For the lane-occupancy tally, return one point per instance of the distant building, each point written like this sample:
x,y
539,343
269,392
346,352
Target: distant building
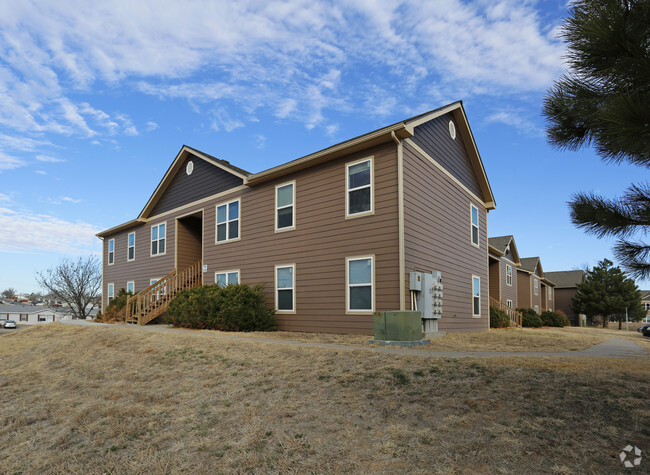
x,y
566,287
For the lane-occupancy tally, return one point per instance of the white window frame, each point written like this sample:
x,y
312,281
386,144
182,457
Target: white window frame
x,y
348,190
509,303
292,205
476,279
550,293
509,275
292,288
472,226
348,285
111,252
158,239
226,273
129,246
110,293
227,222
536,309
536,285
132,283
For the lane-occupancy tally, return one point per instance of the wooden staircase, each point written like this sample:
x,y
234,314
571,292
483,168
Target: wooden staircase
x,y
515,317
154,300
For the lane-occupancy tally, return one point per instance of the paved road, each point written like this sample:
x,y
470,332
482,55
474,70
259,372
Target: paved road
x,y
612,348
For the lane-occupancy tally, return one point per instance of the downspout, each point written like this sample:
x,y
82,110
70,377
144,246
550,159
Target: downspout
x,y
400,214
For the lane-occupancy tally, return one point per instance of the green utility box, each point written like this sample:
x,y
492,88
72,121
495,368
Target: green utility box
x,y
405,325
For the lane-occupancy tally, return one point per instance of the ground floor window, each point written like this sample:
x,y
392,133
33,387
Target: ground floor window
x,y
110,292
130,287
284,288
509,303
476,296
360,284
226,278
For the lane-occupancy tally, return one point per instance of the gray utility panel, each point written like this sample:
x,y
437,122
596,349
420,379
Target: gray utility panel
x,y
428,293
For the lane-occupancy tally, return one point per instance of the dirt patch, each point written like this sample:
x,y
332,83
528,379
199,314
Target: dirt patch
x,y
109,399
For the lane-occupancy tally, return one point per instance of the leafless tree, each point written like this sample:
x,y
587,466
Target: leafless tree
x,y
8,293
76,283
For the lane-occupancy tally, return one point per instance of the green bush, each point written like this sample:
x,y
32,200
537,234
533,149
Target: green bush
x,y
530,318
498,318
237,307
114,310
553,319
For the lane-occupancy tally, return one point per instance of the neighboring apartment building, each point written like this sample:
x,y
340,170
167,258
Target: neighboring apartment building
x,y
566,287
503,261
332,235
534,289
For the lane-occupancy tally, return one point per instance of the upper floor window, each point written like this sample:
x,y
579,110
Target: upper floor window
x,y
228,221
550,293
158,238
646,305
474,218
476,296
284,288
536,285
360,284
111,252
284,206
508,274
131,247
509,303
225,278
359,188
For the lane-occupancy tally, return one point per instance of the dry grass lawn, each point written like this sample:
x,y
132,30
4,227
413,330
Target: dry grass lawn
x,y
111,399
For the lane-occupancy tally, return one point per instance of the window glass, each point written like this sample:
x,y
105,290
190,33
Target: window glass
x,y
474,225
359,187
111,251
130,287
284,289
476,292
360,284
359,174
158,239
228,221
284,208
233,278
131,247
226,278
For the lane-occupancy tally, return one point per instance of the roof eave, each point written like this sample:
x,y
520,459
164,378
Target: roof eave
x,y
121,227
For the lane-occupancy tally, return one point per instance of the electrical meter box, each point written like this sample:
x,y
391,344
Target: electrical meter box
x,y
404,325
428,293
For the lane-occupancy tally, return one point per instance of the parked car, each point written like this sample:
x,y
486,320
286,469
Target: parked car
x,y
645,330
12,324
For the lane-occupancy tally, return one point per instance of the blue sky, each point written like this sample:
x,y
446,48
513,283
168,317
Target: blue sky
x,y
97,98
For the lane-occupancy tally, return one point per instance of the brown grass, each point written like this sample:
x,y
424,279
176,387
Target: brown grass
x,y
112,399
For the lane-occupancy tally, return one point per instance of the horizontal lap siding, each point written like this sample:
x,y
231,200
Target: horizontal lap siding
x,y
437,237
323,238
508,292
144,267
495,279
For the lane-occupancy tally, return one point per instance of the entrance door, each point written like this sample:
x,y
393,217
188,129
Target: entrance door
x,y
189,240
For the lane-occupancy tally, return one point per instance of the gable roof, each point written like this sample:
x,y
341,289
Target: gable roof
x,y
499,245
529,264
566,279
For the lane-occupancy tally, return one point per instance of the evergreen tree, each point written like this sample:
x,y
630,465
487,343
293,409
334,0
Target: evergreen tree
x,y
606,292
604,101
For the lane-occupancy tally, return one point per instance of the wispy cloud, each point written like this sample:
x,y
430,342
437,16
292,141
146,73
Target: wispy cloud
x,y
49,159
24,231
517,120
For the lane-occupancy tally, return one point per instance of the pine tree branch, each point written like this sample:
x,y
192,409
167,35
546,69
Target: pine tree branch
x,y
634,258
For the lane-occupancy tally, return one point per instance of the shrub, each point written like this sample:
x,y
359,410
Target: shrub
x,y
530,318
498,318
114,310
553,319
237,307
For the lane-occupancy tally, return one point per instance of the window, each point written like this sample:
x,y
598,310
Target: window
x,y
536,284
359,188
226,278
130,287
360,284
508,274
228,221
550,293
111,252
474,217
536,308
284,206
158,234
509,303
131,247
110,292
646,305
284,288
476,296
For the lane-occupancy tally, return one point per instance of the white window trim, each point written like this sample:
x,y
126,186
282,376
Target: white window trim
x,y
129,247
536,286
127,285
371,185
293,204
509,275
476,315
228,272
471,226
293,293
509,303
536,309
550,293
372,285
110,292
111,254
158,240
228,221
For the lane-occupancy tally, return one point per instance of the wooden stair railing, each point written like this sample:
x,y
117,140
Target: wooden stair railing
x,y
515,316
154,300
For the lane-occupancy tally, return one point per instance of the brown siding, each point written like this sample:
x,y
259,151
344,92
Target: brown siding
x,y
206,180
563,301
188,243
523,290
433,137
508,292
495,278
437,237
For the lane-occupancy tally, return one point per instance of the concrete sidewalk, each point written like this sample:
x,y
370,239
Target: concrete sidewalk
x,y
612,348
